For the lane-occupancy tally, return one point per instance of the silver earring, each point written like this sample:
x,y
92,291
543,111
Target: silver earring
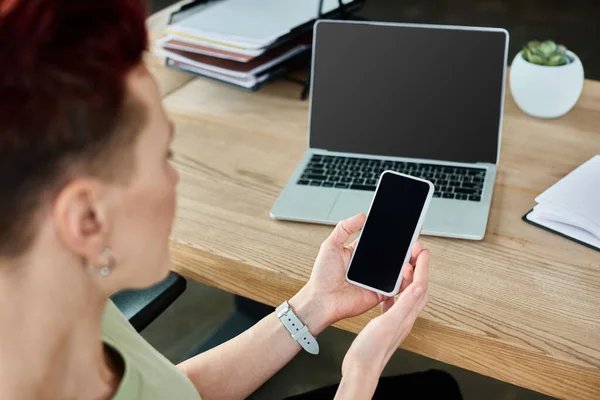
x,y
103,265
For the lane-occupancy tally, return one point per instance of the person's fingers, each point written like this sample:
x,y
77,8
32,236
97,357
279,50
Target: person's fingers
x,y
346,228
415,251
421,273
407,276
412,300
352,246
402,311
387,303
409,304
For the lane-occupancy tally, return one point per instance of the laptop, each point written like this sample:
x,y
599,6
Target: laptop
x,y
424,100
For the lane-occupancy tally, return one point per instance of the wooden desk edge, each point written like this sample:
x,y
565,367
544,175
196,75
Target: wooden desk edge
x,y
426,338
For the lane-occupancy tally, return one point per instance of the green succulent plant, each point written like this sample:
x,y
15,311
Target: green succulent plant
x,y
546,53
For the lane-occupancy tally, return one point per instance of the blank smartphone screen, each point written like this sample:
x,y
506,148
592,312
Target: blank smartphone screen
x,y
388,232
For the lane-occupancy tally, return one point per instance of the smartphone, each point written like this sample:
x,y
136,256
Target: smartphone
x,y
392,227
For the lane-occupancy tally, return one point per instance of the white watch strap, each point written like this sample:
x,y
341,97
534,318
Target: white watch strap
x,y
298,330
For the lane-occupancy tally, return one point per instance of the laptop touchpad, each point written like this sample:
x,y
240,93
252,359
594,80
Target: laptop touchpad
x,y
350,203
305,203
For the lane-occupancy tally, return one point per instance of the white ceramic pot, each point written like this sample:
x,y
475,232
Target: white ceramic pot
x,y
546,92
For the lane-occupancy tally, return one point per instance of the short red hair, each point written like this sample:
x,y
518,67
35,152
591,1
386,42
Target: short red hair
x,y
63,96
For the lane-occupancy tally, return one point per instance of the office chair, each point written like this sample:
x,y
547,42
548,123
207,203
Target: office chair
x,y
141,307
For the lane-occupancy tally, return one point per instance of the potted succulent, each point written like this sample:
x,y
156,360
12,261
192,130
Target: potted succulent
x,y
546,79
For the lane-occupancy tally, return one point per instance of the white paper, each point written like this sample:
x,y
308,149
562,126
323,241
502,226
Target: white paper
x,y
250,24
572,205
578,192
162,41
248,82
568,230
261,68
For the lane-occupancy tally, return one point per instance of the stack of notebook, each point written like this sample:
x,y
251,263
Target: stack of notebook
x,y
244,43
571,207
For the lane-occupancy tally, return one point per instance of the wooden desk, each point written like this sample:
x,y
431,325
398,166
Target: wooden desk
x,y
522,306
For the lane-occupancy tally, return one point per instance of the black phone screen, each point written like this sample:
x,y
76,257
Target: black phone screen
x,y
388,231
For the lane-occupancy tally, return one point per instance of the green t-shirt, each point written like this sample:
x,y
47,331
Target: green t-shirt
x,y
148,374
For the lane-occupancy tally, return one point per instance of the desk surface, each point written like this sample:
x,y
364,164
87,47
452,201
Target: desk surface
x,y
521,306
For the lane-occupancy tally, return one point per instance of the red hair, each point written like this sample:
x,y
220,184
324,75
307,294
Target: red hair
x,y
63,92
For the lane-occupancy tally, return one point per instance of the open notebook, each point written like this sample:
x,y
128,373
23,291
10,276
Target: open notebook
x,y
571,207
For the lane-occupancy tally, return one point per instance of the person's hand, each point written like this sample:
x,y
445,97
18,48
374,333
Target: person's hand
x,y
335,298
375,344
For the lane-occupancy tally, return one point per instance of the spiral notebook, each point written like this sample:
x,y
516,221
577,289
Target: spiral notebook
x,y
571,207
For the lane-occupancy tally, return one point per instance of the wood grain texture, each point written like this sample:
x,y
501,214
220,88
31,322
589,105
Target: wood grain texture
x,y
521,306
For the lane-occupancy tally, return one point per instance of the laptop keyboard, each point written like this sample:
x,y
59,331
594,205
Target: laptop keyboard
x,y
362,174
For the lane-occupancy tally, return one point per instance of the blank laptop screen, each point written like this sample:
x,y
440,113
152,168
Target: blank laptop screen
x,y
417,92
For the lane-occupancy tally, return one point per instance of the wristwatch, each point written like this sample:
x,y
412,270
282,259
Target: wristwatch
x,y
297,329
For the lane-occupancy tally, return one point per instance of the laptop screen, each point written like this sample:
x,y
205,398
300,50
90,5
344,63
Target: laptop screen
x,y
417,92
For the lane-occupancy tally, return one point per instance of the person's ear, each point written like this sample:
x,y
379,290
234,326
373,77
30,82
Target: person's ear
x,y
80,217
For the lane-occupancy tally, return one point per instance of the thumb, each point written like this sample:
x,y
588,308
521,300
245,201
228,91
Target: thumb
x,y
414,297
346,228
410,303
